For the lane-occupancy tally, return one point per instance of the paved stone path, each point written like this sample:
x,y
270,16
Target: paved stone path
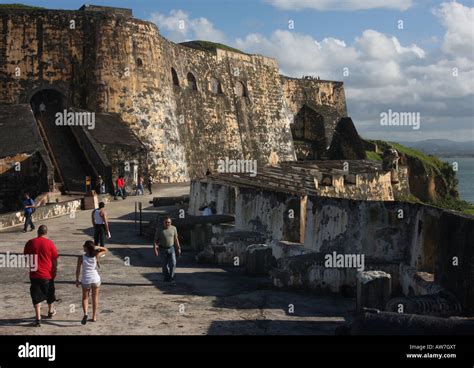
x,y
135,300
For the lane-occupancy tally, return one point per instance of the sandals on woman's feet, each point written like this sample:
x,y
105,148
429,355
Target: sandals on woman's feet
x,y
84,319
52,313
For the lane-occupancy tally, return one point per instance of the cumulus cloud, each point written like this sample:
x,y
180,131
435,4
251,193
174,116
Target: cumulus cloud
x,y
341,4
180,27
373,60
459,23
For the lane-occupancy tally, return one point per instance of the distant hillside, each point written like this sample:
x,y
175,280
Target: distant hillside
x,y
443,147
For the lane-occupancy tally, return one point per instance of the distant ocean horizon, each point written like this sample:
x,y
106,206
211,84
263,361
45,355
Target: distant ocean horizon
x,y
465,175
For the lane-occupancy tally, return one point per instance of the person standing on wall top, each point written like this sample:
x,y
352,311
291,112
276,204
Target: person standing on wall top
x,y
166,245
101,225
29,208
43,273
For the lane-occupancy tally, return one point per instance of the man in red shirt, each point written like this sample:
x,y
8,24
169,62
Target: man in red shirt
x,y
43,272
120,188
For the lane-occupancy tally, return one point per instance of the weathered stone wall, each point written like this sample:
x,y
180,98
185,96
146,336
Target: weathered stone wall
x,y
262,212
41,213
111,62
370,228
401,189
38,50
202,193
375,186
255,211
214,126
426,239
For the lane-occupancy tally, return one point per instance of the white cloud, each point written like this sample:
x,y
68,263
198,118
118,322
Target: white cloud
x,y
341,4
378,46
180,27
373,60
459,23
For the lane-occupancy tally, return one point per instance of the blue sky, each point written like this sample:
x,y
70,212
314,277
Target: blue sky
x,y
405,70
239,17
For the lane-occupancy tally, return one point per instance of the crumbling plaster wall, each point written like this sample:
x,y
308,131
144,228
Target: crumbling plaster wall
x,y
204,193
368,186
424,238
263,212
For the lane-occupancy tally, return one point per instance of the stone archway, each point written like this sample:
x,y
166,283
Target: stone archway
x,y
52,100
308,131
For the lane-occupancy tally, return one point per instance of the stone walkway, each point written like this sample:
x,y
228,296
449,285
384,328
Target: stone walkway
x,y
135,300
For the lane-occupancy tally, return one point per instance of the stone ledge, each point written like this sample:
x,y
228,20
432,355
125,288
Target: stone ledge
x,y
48,211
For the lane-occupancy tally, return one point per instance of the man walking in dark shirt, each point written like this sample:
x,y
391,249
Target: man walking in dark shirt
x,y
29,206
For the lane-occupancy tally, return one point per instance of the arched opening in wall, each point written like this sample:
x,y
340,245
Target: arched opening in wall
x,y
139,63
47,101
55,123
174,77
241,89
192,83
215,86
308,133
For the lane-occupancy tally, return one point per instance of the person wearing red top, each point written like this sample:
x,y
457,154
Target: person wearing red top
x,y
43,273
120,188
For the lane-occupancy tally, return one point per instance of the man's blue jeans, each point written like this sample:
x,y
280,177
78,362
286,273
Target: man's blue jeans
x,y
168,259
29,221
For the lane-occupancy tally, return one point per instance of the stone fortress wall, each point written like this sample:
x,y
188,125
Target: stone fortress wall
x,y
188,107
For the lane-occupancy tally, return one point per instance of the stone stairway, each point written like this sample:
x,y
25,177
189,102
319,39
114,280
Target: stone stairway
x,y
71,165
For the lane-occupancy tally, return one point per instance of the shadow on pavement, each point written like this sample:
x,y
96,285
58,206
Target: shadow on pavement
x,y
273,327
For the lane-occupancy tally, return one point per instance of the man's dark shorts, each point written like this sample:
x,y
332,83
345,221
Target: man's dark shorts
x,y
41,290
100,232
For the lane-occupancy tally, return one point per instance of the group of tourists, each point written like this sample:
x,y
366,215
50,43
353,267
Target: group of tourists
x,y
139,187
100,187
166,246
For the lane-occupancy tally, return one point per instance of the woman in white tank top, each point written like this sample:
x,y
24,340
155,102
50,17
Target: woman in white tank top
x,y
90,277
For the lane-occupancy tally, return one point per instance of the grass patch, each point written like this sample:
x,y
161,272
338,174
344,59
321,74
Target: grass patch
x,y
19,6
429,162
469,210
210,46
373,156
408,198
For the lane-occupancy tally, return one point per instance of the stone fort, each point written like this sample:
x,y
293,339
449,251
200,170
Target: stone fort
x,y
171,110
